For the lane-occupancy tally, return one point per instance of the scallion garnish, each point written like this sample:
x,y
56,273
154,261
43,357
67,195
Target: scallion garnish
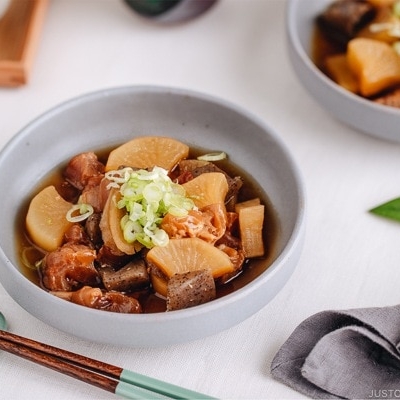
x,y
147,196
84,211
216,156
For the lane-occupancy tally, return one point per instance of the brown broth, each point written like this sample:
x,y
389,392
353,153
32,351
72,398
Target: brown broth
x,y
150,302
321,48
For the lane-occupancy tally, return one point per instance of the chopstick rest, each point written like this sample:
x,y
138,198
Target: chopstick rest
x,y
125,383
351,354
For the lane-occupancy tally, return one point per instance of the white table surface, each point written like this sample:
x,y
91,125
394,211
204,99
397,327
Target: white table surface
x,y
235,51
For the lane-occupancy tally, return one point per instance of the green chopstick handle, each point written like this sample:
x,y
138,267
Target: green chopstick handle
x,y
155,386
128,391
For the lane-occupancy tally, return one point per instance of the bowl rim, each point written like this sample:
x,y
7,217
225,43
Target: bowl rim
x,y
294,241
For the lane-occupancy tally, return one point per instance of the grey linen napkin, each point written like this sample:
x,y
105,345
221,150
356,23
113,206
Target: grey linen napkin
x,y
350,354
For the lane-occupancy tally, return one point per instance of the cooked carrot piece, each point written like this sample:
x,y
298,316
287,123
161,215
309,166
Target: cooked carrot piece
x,y
251,220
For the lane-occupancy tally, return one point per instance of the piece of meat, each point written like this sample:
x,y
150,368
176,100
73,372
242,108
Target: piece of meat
x,y
184,177
69,267
391,98
102,300
189,225
82,168
208,224
68,192
189,165
214,216
232,223
96,193
342,19
234,185
229,240
107,256
92,228
237,257
231,236
76,234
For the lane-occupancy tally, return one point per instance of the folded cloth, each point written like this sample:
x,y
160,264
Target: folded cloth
x,y
350,354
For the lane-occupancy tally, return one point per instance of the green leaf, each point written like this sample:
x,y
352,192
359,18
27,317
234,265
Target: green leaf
x,y
390,210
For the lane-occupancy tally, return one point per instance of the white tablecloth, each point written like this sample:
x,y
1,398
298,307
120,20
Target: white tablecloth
x,y
235,51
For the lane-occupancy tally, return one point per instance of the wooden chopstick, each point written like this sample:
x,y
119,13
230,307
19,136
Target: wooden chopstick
x,y
109,377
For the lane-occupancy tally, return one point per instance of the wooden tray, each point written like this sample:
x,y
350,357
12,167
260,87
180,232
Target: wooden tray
x,y
20,29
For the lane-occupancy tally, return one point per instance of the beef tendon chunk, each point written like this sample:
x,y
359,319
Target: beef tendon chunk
x,y
96,193
190,289
82,168
133,276
342,19
69,267
92,228
76,234
102,300
208,224
107,256
238,259
68,192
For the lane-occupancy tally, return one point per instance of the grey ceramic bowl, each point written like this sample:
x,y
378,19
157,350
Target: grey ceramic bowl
x,y
107,118
371,118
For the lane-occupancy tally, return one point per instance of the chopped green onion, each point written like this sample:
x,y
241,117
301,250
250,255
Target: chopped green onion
x,y
216,156
26,256
147,196
396,9
380,26
392,28
160,238
85,211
